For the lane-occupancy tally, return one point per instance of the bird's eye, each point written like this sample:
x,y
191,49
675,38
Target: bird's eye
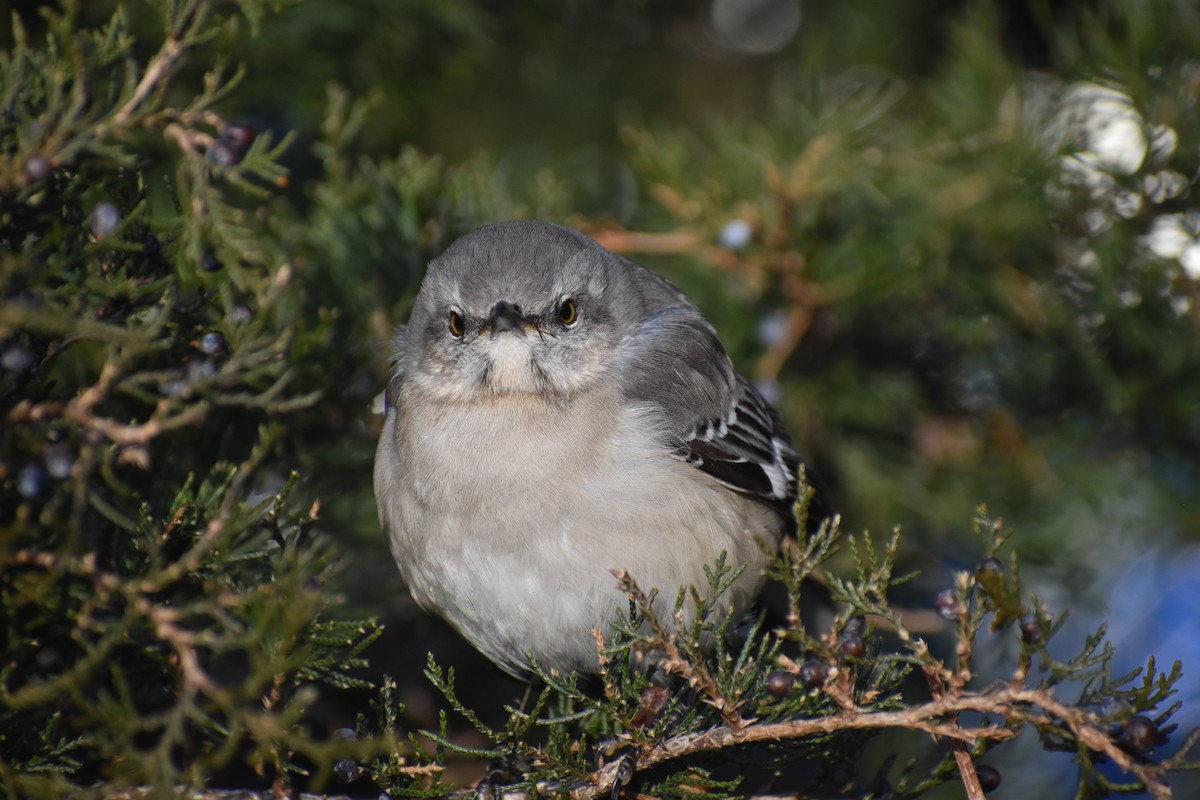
x,y
457,329
567,312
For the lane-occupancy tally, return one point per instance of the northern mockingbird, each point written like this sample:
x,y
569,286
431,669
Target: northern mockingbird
x,y
556,411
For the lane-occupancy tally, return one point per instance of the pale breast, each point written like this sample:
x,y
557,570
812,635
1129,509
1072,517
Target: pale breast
x,y
507,516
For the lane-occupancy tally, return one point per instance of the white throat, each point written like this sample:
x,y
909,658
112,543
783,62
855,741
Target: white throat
x,y
510,364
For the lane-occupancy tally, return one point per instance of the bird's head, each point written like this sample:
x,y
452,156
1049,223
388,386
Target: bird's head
x,y
519,308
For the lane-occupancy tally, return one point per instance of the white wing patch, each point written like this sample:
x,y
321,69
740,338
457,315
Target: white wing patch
x,y
747,450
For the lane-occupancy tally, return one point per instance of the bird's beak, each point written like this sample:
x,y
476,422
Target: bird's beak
x,y
506,317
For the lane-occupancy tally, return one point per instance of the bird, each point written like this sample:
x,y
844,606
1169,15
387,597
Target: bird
x,y
556,412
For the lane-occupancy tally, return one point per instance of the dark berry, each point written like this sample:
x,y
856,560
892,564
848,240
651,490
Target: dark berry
x,y
37,169
780,683
346,734
989,777
855,626
1031,628
813,673
151,247
989,566
58,461
239,135
223,153
104,219
653,700
213,344
16,358
209,262
1140,733
947,605
851,646
30,480
347,770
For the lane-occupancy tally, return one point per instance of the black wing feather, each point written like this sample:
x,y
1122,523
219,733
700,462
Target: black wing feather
x,y
749,450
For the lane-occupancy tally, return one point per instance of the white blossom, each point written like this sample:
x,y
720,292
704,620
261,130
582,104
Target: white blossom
x,y
1129,298
1162,186
1163,142
1190,261
1128,204
1112,128
1168,238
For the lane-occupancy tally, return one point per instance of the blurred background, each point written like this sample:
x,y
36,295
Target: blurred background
x,y
955,242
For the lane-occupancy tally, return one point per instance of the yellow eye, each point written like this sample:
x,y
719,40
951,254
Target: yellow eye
x,y
567,312
456,324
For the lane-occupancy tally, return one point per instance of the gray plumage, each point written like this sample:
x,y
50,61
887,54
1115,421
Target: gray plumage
x,y
556,411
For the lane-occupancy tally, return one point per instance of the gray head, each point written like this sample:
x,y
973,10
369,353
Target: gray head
x,y
524,308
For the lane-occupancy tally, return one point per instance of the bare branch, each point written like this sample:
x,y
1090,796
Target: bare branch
x,y
160,68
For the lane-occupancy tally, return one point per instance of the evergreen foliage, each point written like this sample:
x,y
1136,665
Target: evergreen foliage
x,y
162,593
934,259
750,718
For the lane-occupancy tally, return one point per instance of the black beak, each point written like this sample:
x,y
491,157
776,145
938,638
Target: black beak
x,y
506,317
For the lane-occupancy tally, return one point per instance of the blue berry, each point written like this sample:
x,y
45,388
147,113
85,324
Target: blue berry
x,y
223,153
213,344
772,327
16,358
347,770
30,481
104,219
735,235
58,461
37,169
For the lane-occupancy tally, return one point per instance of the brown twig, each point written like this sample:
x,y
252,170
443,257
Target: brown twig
x,y
79,410
1012,704
966,767
675,662
192,677
1088,731
620,240
163,63
937,718
915,718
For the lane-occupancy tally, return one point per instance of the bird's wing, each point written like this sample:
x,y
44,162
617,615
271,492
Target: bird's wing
x,y
718,422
